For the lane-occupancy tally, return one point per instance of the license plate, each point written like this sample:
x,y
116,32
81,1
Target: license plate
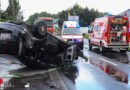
x,y
4,35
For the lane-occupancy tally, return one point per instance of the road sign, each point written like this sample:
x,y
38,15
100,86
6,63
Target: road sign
x,y
73,18
69,14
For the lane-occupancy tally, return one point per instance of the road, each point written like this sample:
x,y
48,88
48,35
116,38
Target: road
x,y
82,76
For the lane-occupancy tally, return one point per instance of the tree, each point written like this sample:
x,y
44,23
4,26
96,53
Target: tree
x,y
13,9
3,16
33,17
86,15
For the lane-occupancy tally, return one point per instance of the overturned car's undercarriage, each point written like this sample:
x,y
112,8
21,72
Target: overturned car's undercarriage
x,y
34,46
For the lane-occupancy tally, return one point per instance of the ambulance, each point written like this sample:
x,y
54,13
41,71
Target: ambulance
x,y
71,33
110,32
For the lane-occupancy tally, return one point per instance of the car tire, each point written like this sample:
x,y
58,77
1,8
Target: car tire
x,y
90,46
40,29
101,48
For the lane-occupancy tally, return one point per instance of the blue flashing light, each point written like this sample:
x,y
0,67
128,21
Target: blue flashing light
x,y
89,26
65,26
78,26
76,40
109,14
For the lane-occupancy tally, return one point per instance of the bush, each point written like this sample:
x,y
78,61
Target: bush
x,y
3,20
86,36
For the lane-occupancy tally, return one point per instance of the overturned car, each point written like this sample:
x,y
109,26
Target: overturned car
x,y
34,46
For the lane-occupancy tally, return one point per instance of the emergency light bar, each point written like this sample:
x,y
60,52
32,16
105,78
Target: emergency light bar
x,y
65,26
77,26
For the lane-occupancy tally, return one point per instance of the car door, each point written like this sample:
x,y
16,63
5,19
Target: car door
x,y
96,35
92,30
100,33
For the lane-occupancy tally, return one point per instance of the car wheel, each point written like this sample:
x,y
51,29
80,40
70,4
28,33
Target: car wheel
x,y
101,48
41,29
90,46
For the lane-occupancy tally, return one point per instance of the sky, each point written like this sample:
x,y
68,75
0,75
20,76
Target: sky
x,y
30,7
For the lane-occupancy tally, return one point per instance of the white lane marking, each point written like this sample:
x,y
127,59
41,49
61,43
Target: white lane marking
x,y
108,61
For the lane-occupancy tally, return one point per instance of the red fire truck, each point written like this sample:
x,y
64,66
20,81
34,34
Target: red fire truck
x,y
111,32
49,23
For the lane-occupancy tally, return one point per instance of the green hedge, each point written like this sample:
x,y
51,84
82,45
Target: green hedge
x,y
3,20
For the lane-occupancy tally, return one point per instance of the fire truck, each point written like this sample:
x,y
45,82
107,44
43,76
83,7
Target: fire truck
x,y
49,23
110,32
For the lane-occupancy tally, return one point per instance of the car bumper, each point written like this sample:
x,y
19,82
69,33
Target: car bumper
x,y
118,46
79,44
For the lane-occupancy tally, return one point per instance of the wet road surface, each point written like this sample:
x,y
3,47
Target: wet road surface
x,y
112,54
83,76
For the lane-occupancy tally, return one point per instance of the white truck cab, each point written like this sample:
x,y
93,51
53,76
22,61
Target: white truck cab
x,y
71,32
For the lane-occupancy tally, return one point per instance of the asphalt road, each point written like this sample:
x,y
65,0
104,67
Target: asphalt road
x,y
82,76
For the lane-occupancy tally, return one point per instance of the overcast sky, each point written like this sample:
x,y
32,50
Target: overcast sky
x,y
53,6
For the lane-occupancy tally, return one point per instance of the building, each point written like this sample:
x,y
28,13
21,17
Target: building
x,y
84,30
127,13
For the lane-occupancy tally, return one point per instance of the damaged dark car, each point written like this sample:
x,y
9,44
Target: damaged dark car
x,y
34,46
